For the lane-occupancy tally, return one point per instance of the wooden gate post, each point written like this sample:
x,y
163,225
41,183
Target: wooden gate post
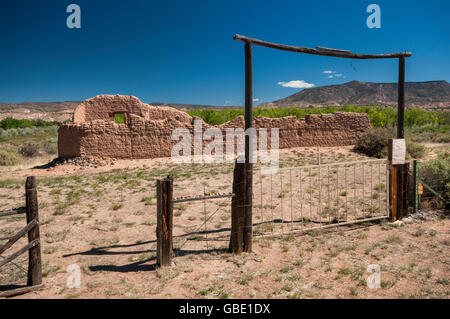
x,y
248,229
238,208
164,223
398,173
34,259
398,191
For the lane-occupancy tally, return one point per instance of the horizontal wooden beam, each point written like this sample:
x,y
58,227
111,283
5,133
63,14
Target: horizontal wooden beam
x,y
20,291
14,211
19,252
17,236
322,51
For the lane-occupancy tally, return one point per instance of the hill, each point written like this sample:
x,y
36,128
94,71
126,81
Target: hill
x,y
432,94
62,111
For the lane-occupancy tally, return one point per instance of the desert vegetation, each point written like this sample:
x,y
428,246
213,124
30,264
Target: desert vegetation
x,y
374,143
436,174
422,126
21,139
379,116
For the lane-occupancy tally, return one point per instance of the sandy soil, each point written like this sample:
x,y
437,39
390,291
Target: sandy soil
x,y
103,219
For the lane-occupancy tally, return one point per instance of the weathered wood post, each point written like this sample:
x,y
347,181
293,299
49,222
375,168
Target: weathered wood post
x,y
401,98
238,208
34,259
248,229
164,223
398,173
398,186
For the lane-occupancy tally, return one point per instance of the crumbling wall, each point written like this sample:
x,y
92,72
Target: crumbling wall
x,y
103,107
147,130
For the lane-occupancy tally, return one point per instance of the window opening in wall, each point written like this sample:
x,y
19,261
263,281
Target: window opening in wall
x,y
119,118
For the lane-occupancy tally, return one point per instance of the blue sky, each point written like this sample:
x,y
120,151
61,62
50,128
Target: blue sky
x,y
183,51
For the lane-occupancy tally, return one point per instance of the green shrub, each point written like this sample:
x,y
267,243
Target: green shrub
x,y
9,157
416,150
436,174
8,134
9,123
379,116
374,142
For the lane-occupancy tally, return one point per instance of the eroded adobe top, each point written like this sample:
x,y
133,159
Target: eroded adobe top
x,y
104,107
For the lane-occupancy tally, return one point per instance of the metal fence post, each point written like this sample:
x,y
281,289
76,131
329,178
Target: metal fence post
x,y
415,187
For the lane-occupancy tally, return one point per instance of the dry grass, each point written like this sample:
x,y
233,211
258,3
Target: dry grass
x,y
104,221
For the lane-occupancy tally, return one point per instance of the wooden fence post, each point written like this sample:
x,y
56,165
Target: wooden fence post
x,y
248,198
34,259
398,179
398,191
238,208
164,224
392,192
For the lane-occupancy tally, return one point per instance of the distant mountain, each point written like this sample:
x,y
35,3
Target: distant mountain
x,y
62,111
48,111
40,106
432,94
427,95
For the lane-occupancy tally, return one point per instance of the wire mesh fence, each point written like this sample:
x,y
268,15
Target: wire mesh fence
x,y
290,200
434,190
202,221
295,199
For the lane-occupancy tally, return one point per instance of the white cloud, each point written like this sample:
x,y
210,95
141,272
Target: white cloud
x,y
255,99
329,72
297,84
337,75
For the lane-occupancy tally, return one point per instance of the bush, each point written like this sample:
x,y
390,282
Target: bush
x,y
9,157
374,142
50,148
29,150
436,174
8,134
9,123
416,150
379,116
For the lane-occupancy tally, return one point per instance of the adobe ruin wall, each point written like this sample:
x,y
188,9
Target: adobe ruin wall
x,y
147,130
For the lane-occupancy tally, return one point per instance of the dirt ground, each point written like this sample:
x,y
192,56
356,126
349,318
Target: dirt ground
x,y
103,220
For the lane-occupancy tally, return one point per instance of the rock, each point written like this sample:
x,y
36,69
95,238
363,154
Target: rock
x,y
421,215
407,220
397,223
